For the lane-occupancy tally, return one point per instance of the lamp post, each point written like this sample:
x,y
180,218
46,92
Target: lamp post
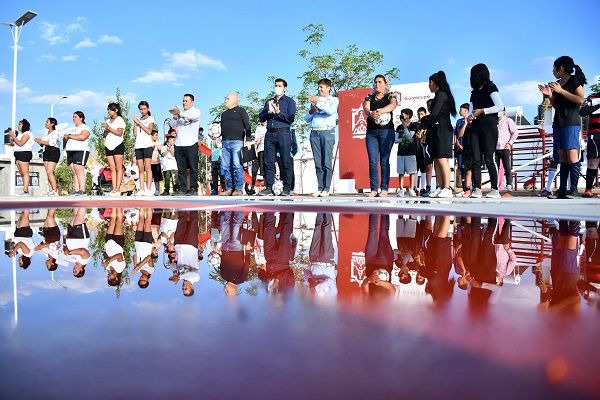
x,y
55,103
16,28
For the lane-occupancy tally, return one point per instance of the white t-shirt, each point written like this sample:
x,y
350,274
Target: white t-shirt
x,y
169,161
78,145
112,141
28,145
187,125
52,137
142,139
142,249
113,248
261,131
28,242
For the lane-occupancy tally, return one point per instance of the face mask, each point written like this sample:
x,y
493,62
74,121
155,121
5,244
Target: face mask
x,y
278,90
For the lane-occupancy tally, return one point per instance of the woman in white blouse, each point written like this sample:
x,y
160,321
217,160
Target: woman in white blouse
x,y
23,146
142,130
77,146
114,146
51,155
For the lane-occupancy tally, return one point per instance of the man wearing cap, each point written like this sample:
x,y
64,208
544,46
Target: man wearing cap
x,y
279,112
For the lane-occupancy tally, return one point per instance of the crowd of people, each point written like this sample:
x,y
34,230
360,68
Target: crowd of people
x,y
481,138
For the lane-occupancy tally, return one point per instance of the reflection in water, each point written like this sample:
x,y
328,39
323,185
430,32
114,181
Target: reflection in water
x,y
325,254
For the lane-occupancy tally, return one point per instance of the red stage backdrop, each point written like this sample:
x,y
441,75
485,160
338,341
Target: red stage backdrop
x,y
354,163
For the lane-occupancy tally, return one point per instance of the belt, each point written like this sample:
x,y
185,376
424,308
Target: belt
x,y
322,129
287,128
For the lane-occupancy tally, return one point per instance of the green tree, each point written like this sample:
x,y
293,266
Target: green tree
x,y
97,138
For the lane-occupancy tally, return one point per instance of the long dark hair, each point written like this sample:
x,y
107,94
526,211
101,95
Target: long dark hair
x,y
480,75
81,115
115,107
145,103
53,122
25,125
569,65
439,78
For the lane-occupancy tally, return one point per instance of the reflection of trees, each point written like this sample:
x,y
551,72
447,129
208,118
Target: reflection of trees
x,y
97,243
252,282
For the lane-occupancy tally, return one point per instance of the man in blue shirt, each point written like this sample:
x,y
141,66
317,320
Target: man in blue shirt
x,y
322,117
279,112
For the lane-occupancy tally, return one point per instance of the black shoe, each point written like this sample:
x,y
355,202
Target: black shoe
x,y
250,192
266,192
573,194
560,194
165,193
286,192
191,193
179,193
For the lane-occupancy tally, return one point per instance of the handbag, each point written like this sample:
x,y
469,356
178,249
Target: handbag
x,y
248,154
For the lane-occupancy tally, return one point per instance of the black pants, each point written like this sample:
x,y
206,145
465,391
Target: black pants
x,y
258,164
504,155
187,157
483,140
215,173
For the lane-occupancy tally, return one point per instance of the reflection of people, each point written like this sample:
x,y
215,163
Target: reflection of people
x,y
321,273
113,248
379,256
484,286
279,248
23,241
380,138
142,259
185,261
77,243
438,261
506,259
51,244
564,268
235,255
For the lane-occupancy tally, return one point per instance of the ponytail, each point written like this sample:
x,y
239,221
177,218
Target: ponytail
x,y
439,78
579,74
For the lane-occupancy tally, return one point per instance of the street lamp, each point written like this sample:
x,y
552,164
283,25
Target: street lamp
x,y
55,103
16,28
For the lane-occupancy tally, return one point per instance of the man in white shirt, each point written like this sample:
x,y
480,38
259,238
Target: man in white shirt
x,y
187,123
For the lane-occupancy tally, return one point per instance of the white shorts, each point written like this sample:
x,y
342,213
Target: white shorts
x,y
407,165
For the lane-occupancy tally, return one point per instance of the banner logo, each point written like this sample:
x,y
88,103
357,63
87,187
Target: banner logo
x,y
357,268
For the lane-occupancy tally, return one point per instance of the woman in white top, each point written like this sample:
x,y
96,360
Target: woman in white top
x,y
51,155
114,146
23,146
77,146
142,130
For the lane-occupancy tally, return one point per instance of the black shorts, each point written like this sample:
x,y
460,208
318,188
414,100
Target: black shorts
x,y
593,146
141,236
77,157
24,232
427,156
51,154
141,154
117,151
78,231
156,172
119,239
443,147
51,234
23,156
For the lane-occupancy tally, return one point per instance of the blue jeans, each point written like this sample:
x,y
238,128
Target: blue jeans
x,y
279,142
231,231
321,143
231,162
379,146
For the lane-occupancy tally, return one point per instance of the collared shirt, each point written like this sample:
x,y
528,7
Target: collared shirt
x,y
326,115
507,133
286,116
506,260
187,125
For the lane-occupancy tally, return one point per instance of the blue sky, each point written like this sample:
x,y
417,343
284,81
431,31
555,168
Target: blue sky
x,y
157,51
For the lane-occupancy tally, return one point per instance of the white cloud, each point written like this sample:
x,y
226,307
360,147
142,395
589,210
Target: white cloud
x,y
71,57
543,65
110,39
75,27
19,48
88,101
521,94
177,84
451,61
6,86
50,32
85,43
157,77
47,57
93,59
190,60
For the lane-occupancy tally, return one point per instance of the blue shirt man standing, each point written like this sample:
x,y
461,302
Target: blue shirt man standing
x,y
279,112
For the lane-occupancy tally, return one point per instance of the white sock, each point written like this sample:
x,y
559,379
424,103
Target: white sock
x,y
551,175
423,180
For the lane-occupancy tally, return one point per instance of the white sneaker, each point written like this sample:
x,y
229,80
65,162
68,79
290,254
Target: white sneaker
x,y
476,194
400,193
22,193
436,193
317,194
114,193
138,192
509,188
324,193
148,192
53,193
445,193
412,193
493,194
